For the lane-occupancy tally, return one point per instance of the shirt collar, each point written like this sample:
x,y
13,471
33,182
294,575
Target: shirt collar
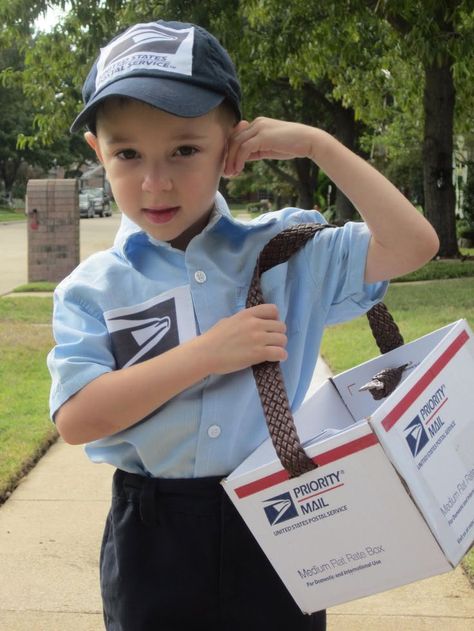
x,y
129,234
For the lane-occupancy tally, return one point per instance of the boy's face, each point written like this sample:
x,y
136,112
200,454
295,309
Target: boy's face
x,y
164,170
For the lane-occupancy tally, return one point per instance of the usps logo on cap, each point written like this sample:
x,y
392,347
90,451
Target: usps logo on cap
x,y
146,47
280,508
416,436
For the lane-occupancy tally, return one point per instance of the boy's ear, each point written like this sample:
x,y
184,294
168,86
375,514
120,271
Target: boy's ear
x,y
93,143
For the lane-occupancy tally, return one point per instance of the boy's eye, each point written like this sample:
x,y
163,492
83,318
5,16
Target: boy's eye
x,y
186,151
127,154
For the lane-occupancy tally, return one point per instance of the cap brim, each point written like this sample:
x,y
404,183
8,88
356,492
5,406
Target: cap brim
x,y
170,95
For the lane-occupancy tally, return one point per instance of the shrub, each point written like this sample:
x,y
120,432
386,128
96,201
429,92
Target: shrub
x,y
468,203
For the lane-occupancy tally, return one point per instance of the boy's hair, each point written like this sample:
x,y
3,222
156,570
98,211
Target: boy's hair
x,y
177,67
226,112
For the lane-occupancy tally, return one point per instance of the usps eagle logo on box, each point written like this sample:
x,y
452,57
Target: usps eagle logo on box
x,y
280,508
416,436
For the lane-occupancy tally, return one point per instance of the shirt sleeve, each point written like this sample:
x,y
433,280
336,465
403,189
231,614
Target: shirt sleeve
x,y
337,264
82,352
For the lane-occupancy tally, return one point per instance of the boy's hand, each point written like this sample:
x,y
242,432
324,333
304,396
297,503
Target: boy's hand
x,y
249,337
267,138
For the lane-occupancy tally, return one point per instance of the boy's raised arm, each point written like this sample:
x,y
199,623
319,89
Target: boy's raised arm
x,y
119,399
402,239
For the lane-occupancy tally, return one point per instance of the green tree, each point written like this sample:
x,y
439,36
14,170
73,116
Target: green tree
x,y
16,122
354,43
440,35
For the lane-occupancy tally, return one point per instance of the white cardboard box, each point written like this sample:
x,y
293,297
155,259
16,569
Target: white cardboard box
x,y
392,500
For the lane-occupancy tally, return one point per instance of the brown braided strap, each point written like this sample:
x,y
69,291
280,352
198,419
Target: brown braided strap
x,y
268,375
384,382
385,331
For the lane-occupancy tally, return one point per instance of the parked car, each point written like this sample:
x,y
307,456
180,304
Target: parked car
x,y
86,205
100,200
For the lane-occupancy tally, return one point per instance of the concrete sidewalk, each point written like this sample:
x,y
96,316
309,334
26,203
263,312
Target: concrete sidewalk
x,y
50,532
96,234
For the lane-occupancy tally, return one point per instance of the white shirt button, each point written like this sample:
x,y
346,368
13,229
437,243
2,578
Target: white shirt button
x,y
200,276
214,431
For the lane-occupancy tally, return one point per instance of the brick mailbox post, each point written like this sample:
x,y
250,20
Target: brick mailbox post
x,y
53,229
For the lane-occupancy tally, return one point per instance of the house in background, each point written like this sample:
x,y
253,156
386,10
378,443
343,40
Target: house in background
x,y
89,176
94,177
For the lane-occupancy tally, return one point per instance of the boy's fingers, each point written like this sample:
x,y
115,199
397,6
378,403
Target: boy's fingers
x,y
252,145
244,153
239,150
276,354
265,311
277,339
241,125
235,140
275,326
246,146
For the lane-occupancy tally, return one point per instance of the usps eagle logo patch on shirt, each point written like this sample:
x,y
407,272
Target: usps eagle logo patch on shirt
x,y
142,331
146,47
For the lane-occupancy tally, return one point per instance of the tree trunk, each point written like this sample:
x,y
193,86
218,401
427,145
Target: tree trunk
x,y
8,171
440,201
346,133
307,173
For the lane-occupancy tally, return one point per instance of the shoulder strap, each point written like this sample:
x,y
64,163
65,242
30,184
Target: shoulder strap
x,y
268,375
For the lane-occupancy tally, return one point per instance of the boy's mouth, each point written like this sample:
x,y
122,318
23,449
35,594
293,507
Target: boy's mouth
x,y
160,215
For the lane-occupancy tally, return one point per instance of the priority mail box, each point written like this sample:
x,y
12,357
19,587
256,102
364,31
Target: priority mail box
x,y
392,499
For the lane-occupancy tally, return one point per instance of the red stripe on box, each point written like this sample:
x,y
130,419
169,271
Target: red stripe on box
x,y
325,458
431,374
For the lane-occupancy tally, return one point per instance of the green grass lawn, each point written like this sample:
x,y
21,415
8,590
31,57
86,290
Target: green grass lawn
x,y
418,309
7,214
37,286
25,428
439,270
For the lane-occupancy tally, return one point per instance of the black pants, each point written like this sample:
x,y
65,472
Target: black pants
x,y
176,555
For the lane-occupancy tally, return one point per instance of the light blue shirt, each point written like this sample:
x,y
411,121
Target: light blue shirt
x,y
107,313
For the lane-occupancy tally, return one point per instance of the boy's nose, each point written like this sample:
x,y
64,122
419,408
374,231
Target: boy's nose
x,y
156,179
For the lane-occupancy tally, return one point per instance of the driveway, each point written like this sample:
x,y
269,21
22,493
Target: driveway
x,y
96,234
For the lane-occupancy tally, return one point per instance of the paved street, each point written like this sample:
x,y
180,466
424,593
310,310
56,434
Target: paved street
x,y
96,234
14,255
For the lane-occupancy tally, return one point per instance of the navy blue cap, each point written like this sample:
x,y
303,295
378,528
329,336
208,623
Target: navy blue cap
x,y
175,66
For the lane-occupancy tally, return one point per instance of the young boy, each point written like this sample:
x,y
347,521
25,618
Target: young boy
x,y
154,344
